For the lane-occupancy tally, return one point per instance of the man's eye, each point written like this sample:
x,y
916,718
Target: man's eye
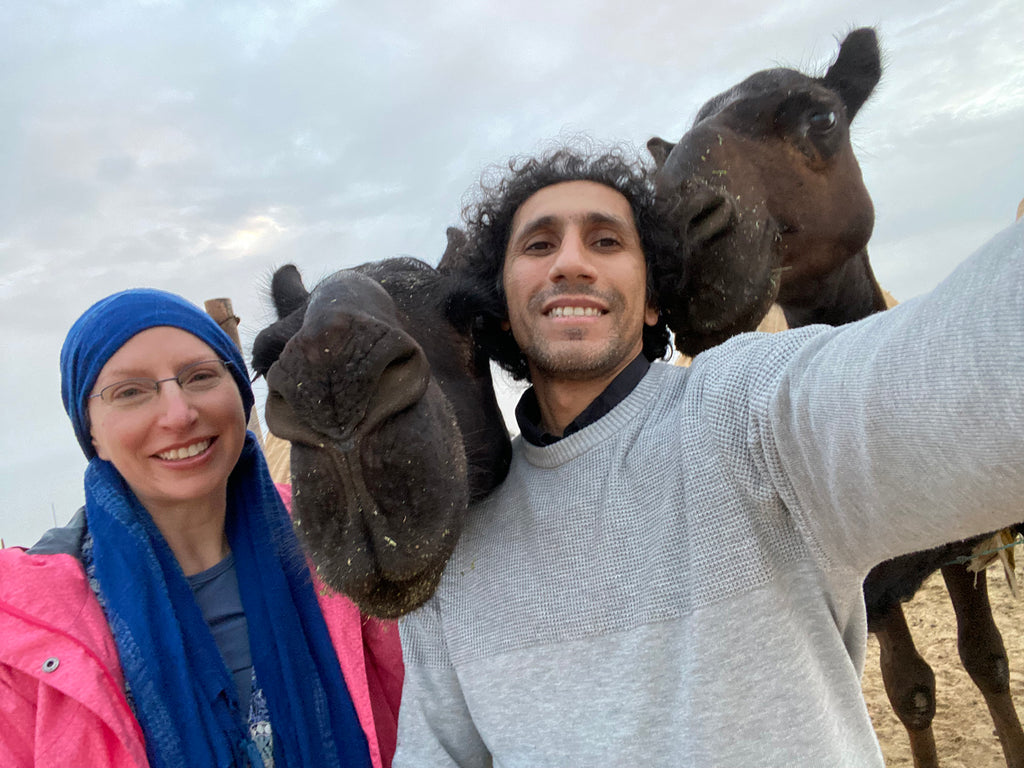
x,y
607,242
538,245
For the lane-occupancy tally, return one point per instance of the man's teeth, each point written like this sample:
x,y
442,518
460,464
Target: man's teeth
x,y
184,453
574,312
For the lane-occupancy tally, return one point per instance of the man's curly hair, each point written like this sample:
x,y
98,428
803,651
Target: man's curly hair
x,y
489,224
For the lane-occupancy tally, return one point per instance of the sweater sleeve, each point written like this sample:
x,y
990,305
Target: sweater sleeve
x,y
435,727
899,432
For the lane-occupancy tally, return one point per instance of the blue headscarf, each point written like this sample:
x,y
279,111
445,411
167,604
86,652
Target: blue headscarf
x,y
109,323
185,697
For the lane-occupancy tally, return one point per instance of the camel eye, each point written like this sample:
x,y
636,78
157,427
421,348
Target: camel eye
x,y
823,121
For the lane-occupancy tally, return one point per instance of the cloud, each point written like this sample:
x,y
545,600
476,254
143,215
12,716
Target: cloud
x,y
194,147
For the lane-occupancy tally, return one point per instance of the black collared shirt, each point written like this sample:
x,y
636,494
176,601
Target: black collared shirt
x,y
528,409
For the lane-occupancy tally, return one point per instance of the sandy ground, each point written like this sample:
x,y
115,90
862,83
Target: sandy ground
x,y
963,730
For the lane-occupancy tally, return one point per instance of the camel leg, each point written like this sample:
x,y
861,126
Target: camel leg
x,y
984,656
909,683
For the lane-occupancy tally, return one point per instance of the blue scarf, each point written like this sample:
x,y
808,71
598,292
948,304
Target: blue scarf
x,y
184,695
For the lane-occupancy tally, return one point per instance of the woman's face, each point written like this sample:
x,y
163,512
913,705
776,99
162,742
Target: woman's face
x,y
146,442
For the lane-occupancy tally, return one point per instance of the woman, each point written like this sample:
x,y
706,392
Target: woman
x,y
184,628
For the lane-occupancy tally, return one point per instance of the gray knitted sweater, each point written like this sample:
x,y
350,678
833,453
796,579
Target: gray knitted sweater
x,y
679,584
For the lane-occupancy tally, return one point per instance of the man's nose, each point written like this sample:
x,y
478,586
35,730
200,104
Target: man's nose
x,y
572,261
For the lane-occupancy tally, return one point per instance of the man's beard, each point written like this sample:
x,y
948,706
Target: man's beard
x,y
569,358
577,365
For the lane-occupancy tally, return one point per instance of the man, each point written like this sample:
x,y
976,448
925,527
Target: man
x,y
671,574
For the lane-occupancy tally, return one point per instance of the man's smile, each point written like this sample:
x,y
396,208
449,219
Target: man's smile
x,y
574,312
573,307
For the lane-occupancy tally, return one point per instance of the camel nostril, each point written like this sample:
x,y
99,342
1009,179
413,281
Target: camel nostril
x,y
402,382
398,372
714,216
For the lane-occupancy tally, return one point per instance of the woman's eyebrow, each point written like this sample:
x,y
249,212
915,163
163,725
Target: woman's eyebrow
x,y
119,374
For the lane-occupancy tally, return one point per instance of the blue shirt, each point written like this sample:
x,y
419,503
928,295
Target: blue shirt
x,y
216,592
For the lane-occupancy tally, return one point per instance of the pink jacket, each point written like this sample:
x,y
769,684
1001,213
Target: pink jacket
x,y
62,697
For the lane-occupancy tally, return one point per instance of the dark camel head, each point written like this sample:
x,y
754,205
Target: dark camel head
x,y
375,380
777,147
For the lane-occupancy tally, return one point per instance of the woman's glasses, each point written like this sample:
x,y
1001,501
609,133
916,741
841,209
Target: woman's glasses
x,y
197,377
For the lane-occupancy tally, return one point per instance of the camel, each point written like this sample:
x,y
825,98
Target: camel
x,y
394,427
777,148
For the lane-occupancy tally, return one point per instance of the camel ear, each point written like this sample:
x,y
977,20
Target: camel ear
x,y
456,241
287,291
290,298
660,149
857,69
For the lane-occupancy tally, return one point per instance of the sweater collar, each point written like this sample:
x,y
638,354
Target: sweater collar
x,y
528,409
610,426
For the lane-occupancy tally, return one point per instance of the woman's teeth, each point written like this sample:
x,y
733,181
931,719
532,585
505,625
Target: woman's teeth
x,y
176,454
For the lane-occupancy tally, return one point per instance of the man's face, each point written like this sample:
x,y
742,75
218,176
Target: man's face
x,y
576,282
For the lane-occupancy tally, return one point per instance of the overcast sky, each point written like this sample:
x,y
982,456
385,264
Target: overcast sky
x,y
195,146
